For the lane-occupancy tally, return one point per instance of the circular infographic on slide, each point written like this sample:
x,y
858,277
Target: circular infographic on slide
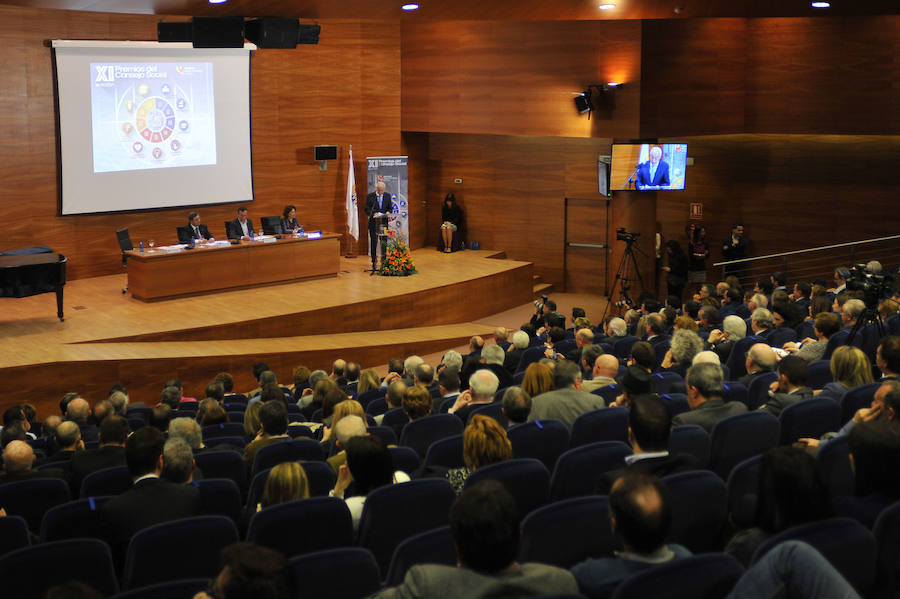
x,y
154,121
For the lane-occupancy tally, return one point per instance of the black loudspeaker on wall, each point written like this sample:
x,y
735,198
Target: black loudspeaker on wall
x,y
326,152
218,32
273,32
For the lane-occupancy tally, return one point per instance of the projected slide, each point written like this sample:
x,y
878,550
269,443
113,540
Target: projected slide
x,y
148,115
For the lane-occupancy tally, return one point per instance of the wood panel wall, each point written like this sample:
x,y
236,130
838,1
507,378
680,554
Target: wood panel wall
x,y
343,91
518,78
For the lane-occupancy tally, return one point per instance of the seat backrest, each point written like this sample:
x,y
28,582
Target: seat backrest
x,y
292,450
430,547
856,398
887,535
712,575
32,498
659,353
544,440
367,397
529,356
491,410
192,547
74,519
690,439
737,359
219,496
303,526
758,392
605,424
735,391
385,432
107,481
526,479
271,225
13,534
743,488
699,530
736,438
395,417
396,512
29,572
782,335
176,590
325,573
608,393
578,470
835,341
421,433
567,532
622,347
446,452
376,406
405,459
662,381
848,545
810,418
834,461
226,429
677,403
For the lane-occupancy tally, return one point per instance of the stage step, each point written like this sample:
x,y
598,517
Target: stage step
x,y
542,288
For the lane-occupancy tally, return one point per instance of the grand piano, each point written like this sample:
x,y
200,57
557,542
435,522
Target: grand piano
x,y
32,271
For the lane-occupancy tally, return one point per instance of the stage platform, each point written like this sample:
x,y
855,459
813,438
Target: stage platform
x,y
109,337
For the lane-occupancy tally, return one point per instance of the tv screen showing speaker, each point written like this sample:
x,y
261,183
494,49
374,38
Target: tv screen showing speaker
x,y
144,125
647,166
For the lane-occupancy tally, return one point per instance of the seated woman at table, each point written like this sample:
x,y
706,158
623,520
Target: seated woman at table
x,y
451,215
289,224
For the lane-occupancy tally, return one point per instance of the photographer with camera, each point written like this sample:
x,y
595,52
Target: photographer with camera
x,y
543,307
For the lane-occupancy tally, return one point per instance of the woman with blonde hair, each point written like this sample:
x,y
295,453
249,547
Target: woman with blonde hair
x,y
849,368
347,407
286,482
484,443
368,380
538,379
251,419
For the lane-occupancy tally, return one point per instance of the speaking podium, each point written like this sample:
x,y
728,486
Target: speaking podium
x,y
381,230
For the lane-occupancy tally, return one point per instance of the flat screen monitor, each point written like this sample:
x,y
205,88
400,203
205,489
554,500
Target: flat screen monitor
x,y
646,166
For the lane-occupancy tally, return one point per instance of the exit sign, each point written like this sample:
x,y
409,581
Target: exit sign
x,y
696,211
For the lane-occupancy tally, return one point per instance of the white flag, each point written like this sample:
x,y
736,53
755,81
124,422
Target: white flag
x,y
352,209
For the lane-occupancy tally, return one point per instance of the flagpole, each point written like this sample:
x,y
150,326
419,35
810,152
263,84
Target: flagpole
x,y
351,207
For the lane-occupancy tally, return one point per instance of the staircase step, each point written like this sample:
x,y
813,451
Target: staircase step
x,y
542,288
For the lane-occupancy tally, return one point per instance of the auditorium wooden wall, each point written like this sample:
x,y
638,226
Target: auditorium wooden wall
x,y
343,91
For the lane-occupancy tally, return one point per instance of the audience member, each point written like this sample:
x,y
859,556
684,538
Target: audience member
x,y
635,381
825,325
760,360
483,385
790,387
347,428
484,443
514,353
111,452
685,345
188,429
606,367
18,464
286,482
538,379
516,405
78,411
885,406
178,461
887,357
642,356
251,571
485,528
640,514
704,393
722,341
874,454
567,401
68,441
273,428
849,368
394,397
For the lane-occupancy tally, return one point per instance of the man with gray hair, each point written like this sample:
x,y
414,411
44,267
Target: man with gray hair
x,y
520,341
424,375
722,341
189,430
18,462
762,323
346,428
583,338
760,360
501,337
567,401
492,358
452,359
516,405
78,411
851,311
705,388
614,330
178,461
119,401
306,397
482,386
68,440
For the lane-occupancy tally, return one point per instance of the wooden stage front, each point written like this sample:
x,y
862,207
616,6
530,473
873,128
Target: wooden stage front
x,y
109,337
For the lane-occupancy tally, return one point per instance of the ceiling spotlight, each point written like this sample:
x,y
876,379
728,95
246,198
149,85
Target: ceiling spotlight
x,y
217,1
821,4
410,7
607,6
583,103
613,84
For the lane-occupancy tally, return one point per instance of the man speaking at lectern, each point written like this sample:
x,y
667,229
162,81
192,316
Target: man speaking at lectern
x,y
655,172
377,203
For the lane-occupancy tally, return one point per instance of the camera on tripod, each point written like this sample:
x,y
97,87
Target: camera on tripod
x,y
875,287
623,235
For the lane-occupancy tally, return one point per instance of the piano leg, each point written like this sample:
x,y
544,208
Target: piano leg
x,y
59,302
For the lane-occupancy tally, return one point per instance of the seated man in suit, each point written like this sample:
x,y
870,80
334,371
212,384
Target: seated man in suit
x,y
241,227
567,401
68,440
790,387
193,230
251,571
491,358
18,462
649,428
760,360
704,390
485,528
150,500
655,172
483,385
113,433
640,513
78,411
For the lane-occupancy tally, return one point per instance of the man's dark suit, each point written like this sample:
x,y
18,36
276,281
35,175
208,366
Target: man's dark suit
x,y
503,375
661,177
235,231
372,207
91,460
659,467
90,433
14,477
511,362
150,501
186,233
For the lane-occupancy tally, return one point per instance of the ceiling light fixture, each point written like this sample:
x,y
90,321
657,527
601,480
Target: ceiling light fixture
x,y
607,6
217,1
410,7
821,4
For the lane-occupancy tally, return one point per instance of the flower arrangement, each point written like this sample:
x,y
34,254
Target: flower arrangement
x,y
397,261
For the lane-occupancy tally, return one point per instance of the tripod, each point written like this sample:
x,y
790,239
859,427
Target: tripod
x,y
626,266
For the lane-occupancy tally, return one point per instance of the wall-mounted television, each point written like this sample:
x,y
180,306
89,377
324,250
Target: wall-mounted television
x,y
648,166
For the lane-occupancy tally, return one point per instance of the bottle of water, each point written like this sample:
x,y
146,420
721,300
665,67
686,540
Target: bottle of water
x,y
301,232
141,246
251,235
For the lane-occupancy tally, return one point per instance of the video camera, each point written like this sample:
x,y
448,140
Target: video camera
x,y
623,235
875,287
